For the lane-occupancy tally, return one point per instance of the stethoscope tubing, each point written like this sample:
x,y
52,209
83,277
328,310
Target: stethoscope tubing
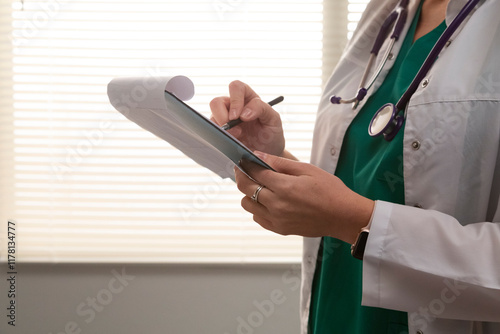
x,y
396,20
381,124
436,50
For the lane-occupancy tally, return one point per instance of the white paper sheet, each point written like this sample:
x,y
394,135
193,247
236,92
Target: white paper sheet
x,y
142,99
156,105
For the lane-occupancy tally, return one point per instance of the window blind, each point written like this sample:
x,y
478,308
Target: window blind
x,y
83,184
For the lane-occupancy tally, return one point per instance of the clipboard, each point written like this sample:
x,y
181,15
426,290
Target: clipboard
x,y
211,132
157,105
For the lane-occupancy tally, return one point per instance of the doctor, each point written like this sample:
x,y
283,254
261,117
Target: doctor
x,y
423,209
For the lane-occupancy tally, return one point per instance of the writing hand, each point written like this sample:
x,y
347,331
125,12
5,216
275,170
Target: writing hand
x,y
261,128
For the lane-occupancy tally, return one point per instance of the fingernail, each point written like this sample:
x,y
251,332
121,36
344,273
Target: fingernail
x,y
260,154
232,114
246,113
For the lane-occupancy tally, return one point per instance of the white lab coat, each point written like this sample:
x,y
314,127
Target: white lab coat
x,y
438,256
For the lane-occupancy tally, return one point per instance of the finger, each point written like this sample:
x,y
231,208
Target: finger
x,y
265,223
242,181
239,94
248,187
245,184
240,170
250,169
212,118
284,170
256,108
235,131
284,165
263,196
220,109
254,208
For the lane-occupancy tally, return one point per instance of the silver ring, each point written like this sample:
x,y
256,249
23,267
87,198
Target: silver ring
x,y
255,196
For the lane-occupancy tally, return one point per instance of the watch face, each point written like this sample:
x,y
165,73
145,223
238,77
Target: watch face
x,y
358,248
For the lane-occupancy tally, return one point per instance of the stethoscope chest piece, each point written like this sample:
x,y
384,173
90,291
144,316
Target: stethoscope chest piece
x,y
386,121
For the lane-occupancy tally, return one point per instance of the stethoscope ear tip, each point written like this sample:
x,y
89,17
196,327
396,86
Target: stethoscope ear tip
x,y
335,99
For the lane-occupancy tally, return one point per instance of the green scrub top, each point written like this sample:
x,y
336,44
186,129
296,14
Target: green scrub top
x,y
372,167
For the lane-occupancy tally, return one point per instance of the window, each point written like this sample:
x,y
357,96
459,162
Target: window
x,y
83,184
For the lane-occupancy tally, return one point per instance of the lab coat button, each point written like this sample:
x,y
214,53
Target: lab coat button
x,y
419,332
418,205
448,43
390,56
425,83
333,151
415,145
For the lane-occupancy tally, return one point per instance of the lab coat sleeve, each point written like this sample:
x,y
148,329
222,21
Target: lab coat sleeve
x,y
426,263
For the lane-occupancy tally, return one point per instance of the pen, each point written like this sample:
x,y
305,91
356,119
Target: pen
x,y
237,121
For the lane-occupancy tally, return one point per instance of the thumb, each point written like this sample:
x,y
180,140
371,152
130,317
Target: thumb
x,y
256,108
282,165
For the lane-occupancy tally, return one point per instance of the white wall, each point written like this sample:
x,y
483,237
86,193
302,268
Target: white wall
x,y
150,299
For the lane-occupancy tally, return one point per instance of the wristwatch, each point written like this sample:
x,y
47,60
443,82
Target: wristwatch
x,y
358,248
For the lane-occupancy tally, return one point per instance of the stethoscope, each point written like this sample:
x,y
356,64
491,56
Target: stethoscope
x,y
387,120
